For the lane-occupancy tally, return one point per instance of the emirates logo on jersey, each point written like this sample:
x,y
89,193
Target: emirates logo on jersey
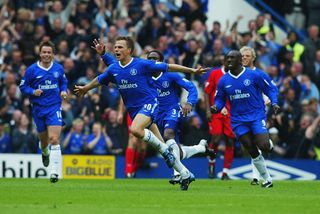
x,y
133,71
246,82
165,84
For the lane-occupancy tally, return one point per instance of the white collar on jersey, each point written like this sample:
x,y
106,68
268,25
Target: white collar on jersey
x,y
46,69
123,66
156,78
236,77
223,69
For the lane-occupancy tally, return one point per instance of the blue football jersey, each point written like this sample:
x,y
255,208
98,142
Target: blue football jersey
x,y
167,85
50,80
100,148
245,94
134,80
76,144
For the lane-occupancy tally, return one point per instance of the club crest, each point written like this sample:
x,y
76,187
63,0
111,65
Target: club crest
x,y
246,82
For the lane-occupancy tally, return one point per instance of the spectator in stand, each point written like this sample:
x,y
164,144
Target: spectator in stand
x,y
309,89
62,51
70,72
39,13
313,134
9,103
314,106
198,32
74,142
190,10
90,75
56,30
56,10
23,137
288,118
264,25
312,46
298,144
15,120
216,32
292,44
279,148
115,131
70,35
194,131
316,75
313,11
98,141
6,44
296,11
5,140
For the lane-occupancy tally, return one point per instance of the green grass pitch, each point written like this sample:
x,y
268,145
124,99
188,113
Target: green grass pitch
x,y
139,196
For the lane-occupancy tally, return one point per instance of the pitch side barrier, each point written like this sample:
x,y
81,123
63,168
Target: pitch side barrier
x,y
111,167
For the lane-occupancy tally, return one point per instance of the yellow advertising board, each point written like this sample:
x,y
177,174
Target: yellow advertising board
x,y
88,167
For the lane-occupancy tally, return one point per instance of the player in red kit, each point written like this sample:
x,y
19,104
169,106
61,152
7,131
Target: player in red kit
x,y
219,125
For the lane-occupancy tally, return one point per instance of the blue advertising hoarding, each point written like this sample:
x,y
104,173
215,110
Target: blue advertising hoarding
x,y
280,169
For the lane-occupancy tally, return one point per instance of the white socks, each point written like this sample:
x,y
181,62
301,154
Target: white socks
x,y
260,164
189,151
55,159
150,138
255,173
178,166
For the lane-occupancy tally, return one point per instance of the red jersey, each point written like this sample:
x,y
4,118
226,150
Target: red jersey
x,y
211,87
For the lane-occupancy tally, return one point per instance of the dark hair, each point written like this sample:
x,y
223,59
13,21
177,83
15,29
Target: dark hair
x,y
161,57
47,43
217,23
129,41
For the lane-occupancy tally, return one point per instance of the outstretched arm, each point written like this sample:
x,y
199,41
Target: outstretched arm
x,y
184,69
82,90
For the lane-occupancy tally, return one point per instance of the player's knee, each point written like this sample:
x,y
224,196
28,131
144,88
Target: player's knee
x,y
265,147
137,132
168,134
54,140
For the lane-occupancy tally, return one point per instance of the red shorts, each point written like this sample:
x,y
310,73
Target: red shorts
x,y
221,125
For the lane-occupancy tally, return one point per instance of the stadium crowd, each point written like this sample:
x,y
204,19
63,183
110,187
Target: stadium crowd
x,y
181,34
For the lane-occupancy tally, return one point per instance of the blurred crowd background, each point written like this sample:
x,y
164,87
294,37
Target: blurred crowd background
x,y
181,33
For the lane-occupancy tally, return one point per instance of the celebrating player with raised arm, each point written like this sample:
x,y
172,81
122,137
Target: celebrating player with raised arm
x,y
243,88
133,78
46,85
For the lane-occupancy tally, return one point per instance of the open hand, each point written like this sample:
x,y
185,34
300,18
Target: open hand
x,y
79,90
98,46
200,70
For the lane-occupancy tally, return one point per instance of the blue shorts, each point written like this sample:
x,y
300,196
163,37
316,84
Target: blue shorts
x,y
44,117
150,110
169,119
256,127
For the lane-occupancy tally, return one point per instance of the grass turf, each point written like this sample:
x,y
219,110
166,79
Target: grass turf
x,y
156,196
